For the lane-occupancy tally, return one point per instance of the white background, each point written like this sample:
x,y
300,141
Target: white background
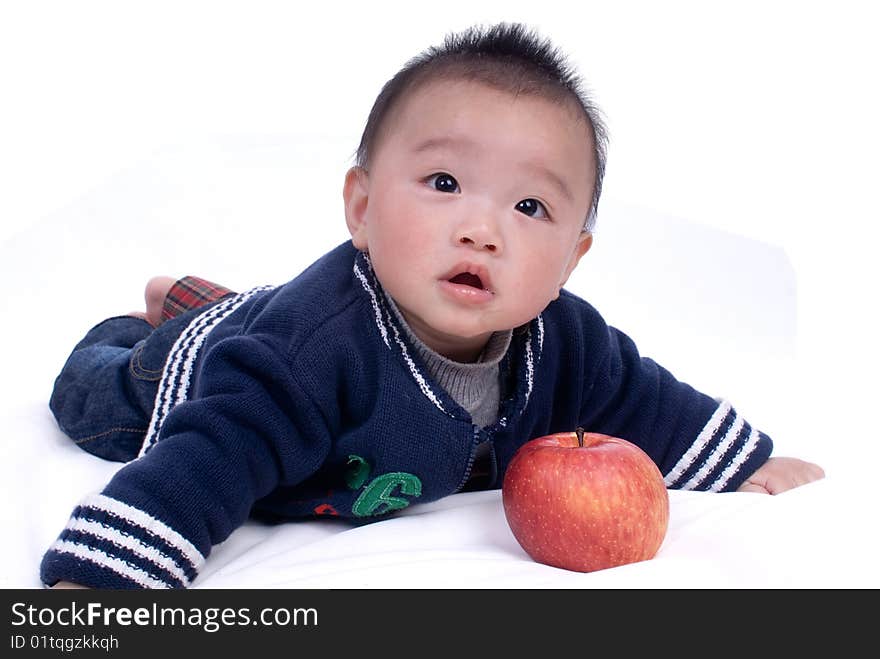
x,y
755,118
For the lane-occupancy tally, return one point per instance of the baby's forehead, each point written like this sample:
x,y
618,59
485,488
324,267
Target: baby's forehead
x,y
463,88
461,96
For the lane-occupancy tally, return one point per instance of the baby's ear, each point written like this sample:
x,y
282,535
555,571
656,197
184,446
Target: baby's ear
x,y
584,242
355,193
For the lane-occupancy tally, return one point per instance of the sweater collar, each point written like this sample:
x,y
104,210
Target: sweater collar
x,y
521,357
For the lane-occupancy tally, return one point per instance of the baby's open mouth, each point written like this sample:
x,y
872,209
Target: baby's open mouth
x,y
468,279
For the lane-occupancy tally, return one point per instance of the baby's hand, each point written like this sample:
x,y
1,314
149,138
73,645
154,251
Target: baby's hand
x,y
781,474
64,585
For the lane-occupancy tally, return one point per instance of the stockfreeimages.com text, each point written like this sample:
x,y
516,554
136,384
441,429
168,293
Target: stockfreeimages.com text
x,y
209,619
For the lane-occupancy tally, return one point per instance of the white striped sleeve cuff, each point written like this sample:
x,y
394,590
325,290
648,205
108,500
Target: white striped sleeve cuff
x,y
110,544
726,449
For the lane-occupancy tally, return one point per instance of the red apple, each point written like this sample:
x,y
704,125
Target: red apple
x,y
585,501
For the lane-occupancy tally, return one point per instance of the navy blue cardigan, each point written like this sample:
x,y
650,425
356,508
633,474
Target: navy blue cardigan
x,y
308,399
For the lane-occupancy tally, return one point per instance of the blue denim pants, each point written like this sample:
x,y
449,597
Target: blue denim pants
x,y
103,398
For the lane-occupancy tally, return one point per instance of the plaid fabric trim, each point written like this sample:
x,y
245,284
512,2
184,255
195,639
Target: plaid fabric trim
x,y
189,293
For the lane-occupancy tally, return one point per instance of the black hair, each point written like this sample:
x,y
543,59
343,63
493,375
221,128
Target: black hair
x,y
507,56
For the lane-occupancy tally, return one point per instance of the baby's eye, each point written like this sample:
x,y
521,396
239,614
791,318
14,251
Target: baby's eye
x,y
533,208
443,183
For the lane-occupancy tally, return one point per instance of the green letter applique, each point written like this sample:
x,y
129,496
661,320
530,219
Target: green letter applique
x,y
376,498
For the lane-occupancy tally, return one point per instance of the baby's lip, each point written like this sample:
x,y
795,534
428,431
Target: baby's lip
x,y
469,274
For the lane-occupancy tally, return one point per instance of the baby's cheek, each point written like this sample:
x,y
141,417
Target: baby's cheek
x,y
537,285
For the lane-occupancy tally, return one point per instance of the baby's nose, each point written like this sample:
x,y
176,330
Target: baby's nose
x,y
467,240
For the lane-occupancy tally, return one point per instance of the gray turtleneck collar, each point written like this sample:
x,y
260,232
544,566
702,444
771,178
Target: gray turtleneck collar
x,y
475,386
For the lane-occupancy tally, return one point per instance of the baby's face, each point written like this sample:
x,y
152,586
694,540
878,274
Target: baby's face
x,y
472,210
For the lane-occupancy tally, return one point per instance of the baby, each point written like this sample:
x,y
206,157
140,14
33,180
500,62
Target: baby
x,y
405,365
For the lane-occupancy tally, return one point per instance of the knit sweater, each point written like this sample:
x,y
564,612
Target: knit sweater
x,y
309,399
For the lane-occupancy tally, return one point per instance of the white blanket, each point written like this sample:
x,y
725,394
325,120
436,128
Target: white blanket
x,y
245,211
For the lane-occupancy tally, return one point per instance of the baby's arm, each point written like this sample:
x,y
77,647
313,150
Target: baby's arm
x,y
155,522
781,474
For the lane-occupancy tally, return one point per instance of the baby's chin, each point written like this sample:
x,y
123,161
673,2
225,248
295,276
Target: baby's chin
x,y
460,325
439,329
455,333
468,328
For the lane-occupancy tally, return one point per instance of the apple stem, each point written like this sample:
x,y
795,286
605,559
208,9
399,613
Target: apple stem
x,y
580,434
